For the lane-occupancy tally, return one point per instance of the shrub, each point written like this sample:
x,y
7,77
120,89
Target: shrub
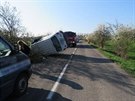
x,y
123,40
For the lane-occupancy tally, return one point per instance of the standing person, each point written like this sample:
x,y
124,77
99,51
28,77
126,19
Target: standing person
x,y
23,47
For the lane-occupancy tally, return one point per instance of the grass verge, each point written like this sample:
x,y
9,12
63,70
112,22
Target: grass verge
x,y
127,64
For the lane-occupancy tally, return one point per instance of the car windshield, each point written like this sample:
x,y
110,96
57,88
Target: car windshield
x,y
4,49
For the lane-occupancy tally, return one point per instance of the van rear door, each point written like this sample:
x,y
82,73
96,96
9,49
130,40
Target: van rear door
x,y
62,40
56,43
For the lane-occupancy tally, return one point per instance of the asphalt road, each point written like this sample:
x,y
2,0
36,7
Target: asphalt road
x,y
89,77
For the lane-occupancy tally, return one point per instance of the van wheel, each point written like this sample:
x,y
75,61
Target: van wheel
x,y
21,85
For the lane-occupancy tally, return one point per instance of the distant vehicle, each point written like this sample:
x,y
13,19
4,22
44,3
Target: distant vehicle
x,y
15,70
50,44
70,38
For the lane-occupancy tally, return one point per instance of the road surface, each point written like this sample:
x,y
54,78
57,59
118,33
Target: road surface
x,y
89,76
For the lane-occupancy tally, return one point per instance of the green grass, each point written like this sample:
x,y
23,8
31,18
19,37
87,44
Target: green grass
x,y
127,64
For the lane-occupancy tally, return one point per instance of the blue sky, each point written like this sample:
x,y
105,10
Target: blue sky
x,y
81,16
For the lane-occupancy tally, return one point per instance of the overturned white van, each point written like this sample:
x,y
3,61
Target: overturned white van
x,y
50,44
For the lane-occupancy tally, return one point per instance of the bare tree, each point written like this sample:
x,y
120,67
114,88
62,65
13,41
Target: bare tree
x,y
9,19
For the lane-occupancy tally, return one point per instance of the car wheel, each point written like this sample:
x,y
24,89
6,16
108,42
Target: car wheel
x,y
21,85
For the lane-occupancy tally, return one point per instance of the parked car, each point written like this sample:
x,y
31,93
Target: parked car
x,y
15,70
50,44
70,38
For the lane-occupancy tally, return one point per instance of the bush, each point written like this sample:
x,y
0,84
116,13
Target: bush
x,y
123,41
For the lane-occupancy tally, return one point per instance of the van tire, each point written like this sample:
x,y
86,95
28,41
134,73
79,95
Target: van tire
x,y
21,85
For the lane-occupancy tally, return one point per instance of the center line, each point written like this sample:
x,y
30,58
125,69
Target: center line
x,y
55,86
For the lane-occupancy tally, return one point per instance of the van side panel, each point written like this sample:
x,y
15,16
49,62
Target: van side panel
x,y
44,47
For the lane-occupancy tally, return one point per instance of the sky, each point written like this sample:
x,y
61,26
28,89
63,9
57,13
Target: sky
x,y
81,16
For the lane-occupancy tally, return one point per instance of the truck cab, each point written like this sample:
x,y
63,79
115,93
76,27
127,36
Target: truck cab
x,y
70,38
15,70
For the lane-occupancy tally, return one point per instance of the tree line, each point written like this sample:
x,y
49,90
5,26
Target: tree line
x,y
121,36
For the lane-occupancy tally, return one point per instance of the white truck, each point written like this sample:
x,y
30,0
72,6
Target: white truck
x,y
50,44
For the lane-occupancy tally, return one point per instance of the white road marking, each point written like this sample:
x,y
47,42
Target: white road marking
x,y
55,86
